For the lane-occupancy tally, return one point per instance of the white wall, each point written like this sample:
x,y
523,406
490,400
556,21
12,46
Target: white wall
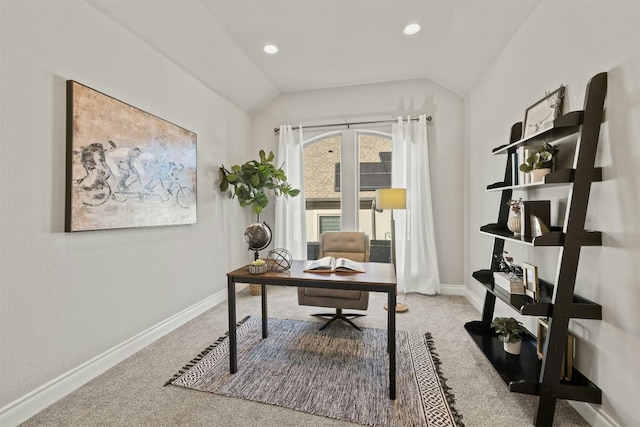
x,y
67,298
385,101
567,43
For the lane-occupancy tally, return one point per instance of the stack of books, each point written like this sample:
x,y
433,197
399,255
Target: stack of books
x,y
508,282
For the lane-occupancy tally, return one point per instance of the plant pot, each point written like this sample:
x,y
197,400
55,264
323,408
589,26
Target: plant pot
x,y
514,224
258,269
513,347
537,175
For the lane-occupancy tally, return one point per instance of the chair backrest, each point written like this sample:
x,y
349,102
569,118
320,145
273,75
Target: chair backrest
x,y
353,245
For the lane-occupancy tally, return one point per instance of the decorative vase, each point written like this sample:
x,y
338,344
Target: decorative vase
x,y
513,347
514,224
537,175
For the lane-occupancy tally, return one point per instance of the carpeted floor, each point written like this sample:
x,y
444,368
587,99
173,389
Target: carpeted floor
x,y
132,393
339,372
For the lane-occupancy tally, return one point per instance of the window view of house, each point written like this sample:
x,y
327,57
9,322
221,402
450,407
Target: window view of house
x,y
323,181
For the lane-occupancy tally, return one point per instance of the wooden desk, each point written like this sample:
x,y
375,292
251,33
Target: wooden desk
x,y
378,277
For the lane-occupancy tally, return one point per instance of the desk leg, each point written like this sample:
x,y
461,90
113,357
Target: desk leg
x,y
264,310
233,339
391,346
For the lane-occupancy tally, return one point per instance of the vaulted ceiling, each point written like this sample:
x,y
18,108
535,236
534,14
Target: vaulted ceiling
x,y
323,43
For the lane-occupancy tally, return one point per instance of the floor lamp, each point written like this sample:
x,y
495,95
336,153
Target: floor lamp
x,y
392,198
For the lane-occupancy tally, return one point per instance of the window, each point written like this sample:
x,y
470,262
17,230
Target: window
x,y
328,223
342,170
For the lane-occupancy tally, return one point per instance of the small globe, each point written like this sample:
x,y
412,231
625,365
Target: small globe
x,y
279,259
257,236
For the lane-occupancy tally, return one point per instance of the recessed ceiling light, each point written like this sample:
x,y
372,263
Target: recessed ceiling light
x,y
411,29
271,49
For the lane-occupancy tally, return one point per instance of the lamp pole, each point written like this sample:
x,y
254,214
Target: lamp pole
x,y
393,198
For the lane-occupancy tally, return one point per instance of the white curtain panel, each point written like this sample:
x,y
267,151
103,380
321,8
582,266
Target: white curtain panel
x,y
416,258
290,231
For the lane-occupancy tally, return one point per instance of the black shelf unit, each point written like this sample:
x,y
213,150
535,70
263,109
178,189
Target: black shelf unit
x,y
557,301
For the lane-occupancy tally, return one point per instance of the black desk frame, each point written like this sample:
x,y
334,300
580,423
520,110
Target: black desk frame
x,y
295,277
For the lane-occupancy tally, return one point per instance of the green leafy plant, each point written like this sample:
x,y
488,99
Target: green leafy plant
x,y
258,262
508,328
253,180
541,159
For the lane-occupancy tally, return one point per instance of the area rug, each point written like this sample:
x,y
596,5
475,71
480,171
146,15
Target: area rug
x,y
340,373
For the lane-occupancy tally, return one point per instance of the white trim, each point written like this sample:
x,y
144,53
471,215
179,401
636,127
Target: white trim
x,y
594,416
473,299
452,289
35,401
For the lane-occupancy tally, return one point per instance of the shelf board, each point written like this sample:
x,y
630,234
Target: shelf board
x,y
560,177
561,127
554,238
579,388
524,367
522,372
580,308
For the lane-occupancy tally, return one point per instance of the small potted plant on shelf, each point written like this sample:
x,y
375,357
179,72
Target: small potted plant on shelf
x,y
510,333
540,163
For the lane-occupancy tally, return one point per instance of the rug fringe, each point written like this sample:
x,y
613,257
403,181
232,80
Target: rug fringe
x,y
448,393
202,354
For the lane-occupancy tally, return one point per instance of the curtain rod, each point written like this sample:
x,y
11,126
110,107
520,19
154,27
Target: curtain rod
x,y
276,130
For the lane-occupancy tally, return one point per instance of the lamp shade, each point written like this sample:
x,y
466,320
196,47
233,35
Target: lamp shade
x,y
391,198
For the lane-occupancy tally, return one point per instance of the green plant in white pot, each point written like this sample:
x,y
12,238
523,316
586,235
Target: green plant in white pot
x,y
540,163
510,332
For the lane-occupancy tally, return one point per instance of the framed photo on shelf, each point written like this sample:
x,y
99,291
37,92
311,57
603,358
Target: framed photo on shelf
x,y
530,279
541,115
566,368
536,217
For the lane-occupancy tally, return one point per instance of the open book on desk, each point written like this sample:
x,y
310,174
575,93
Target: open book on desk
x,y
330,264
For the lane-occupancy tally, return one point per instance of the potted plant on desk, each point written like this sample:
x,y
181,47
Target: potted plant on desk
x,y
510,332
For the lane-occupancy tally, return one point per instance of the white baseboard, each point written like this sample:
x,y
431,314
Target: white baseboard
x,y
452,289
593,415
473,299
30,404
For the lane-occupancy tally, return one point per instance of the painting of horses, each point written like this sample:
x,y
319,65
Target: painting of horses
x,y
125,167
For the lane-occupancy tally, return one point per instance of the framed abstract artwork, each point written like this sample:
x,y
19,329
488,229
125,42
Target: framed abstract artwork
x,y
125,167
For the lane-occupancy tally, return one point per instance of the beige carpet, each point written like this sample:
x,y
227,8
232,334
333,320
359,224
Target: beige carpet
x,y
339,372
132,393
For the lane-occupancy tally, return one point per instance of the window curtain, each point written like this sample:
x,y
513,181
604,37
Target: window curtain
x,y
290,231
416,258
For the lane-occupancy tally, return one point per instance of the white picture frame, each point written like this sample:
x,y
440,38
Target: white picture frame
x,y
541,115
530,280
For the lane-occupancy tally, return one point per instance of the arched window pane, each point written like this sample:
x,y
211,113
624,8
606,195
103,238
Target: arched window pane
x,y
375,172
322,196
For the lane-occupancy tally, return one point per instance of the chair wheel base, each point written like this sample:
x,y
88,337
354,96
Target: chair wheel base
x,y
338,315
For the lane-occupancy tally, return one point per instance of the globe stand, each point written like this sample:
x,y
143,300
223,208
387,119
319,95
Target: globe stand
x,y
258,237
